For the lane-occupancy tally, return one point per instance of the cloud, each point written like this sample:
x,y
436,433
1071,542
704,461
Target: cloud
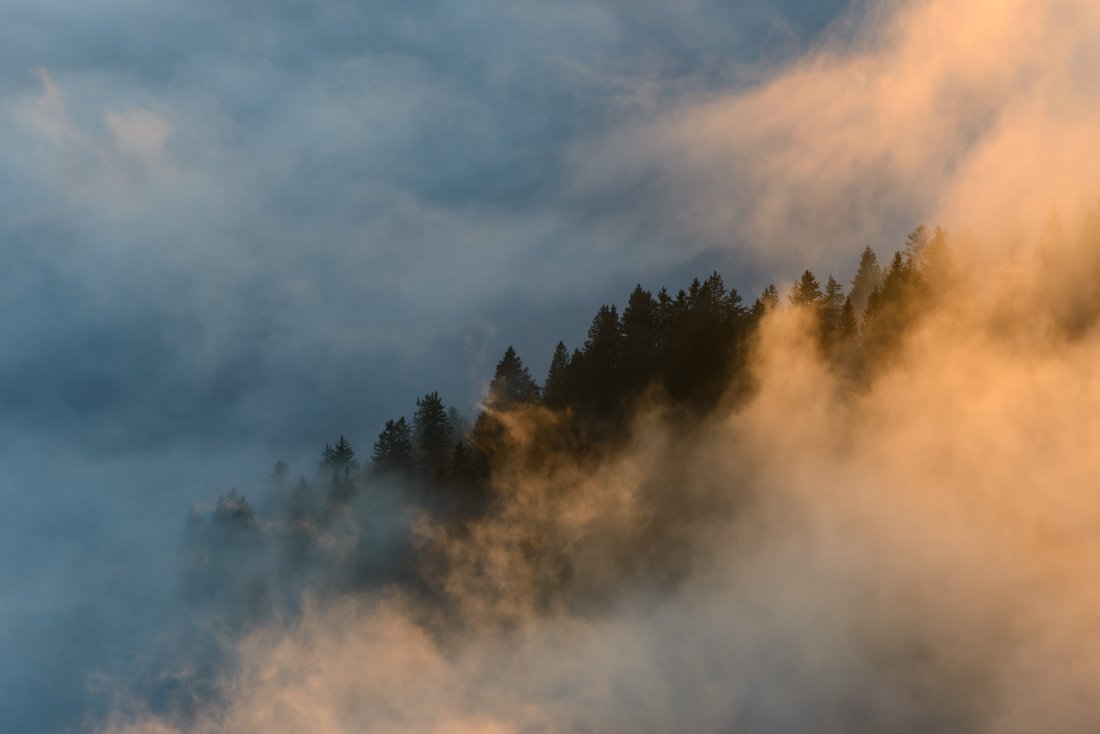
x,y
232,230
912,553
972,117
905,554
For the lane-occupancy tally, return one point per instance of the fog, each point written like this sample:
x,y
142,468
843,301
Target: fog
x,y
233,258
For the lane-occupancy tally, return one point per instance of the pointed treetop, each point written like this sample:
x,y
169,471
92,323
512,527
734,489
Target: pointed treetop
x,y
512,383
341,456
807,291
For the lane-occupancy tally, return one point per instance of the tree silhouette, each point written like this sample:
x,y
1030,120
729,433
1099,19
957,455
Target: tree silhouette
x,y
832,306
393,451
806,292
893,307
431,434
641,338
915,244
599,362
556,392
868,277
340,457
512,383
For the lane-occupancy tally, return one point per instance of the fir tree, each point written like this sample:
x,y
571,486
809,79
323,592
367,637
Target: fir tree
x,y
600,362
393,451
915,244
770,298
462,469
431,433
847,327
868,277
512,383
340,457
556,392
832,304
641,337
806,292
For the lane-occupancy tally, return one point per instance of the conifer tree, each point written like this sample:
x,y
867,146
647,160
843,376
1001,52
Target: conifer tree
x,y
770,298
915,244
341,486
936,264
832,304
393,451
767,302
339,457
807,291
847,327
868,277
601,360
892,307
431,433
556,392
641,337
512,383
462,469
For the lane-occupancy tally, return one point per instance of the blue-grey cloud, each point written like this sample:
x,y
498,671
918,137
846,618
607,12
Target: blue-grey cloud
x,y
231,230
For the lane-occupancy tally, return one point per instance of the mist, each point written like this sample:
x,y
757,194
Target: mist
x,y
908,552
903,544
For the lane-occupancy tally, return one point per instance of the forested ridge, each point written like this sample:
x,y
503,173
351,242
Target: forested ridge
x,y
433,490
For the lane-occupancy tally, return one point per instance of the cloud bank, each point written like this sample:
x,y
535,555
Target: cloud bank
x,y
979,118
212,231
912,554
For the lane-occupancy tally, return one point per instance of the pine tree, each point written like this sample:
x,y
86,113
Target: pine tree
x,y
936,263
767,302
806,292
393,451
462,469
600,363
868,277
832,304
512,383
431,433
460,427
770,298
340,457
641,338
556,392
233,510
341,486
915,244
893,307
847,327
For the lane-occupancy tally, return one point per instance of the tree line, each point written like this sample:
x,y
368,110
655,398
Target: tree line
x,y
686,349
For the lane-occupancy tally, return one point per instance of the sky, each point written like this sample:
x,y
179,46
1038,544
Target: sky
x,y
278,218
234,231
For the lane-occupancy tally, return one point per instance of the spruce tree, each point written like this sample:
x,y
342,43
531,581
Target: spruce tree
x,y
431,433
339,457
556,392
806,292
847,327
641,337
600,363
393,451
915,244
512,383
770,298
767,302
832,304
868,277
